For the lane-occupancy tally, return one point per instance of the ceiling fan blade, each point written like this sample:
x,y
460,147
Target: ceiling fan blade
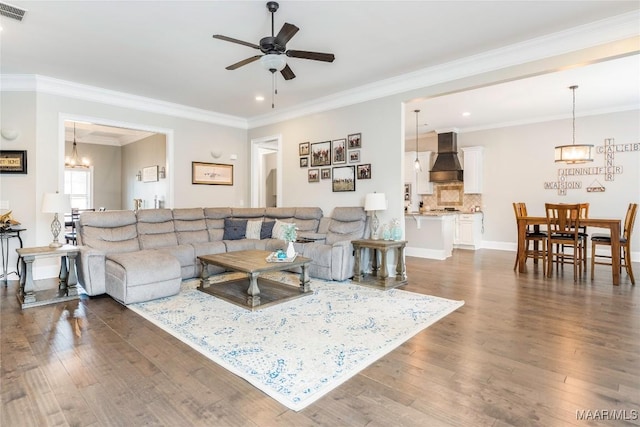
x,y
287,73
243,62
316,56
232,40
286,33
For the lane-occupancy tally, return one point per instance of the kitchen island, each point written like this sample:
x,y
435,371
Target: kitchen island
x,y
429,234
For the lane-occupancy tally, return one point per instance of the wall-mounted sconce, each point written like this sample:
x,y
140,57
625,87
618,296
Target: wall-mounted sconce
x,y
9,134
139,176
162,174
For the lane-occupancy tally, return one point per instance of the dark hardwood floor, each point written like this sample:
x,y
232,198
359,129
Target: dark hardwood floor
x,y
523,351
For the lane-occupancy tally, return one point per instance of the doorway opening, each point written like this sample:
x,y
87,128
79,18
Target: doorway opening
x,y
113,141
266,172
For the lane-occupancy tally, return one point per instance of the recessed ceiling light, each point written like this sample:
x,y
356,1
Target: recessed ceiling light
x,y
259,98
466,114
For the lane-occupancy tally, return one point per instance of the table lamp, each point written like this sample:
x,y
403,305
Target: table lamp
x,y
375,202
55,203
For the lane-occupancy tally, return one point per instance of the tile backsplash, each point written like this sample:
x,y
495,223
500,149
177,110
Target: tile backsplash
x,y
441,198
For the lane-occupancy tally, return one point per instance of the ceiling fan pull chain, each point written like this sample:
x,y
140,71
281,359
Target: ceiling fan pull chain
x,y
273,90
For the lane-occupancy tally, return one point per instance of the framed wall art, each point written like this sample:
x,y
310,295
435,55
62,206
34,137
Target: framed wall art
x,y
13,161
339,151
325,173
314,175
304,162
211,173
321,153
303,149
354,140
344,178
150,174
364,171
354,156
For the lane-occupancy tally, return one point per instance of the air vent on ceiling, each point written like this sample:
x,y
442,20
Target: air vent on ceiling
x,y
12,11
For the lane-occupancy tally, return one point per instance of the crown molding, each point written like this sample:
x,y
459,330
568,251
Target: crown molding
x,y
52,86
589,35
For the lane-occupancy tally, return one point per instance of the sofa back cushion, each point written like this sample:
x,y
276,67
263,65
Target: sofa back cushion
x,y
280,213
190,225
214,218
247,213
110,231
156,229
347,223
307,219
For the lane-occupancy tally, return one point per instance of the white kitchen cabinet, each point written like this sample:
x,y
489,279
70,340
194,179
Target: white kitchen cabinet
x,y
472,166
423,185
468,231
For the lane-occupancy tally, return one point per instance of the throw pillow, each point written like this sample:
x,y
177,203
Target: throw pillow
x,y
266,231
254,227
234,229
279,229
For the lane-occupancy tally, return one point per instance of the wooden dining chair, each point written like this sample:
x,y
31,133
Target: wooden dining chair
x,y
584,236
563,226
625,245
532,237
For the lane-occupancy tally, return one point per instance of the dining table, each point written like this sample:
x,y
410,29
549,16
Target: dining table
x,y
612,224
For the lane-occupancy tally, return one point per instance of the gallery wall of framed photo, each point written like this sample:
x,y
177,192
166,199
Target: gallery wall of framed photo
x,y
338,161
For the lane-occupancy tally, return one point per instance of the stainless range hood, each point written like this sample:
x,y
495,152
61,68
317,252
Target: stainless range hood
x,y
447,166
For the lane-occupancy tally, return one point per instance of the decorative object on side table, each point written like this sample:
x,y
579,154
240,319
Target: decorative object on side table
x,y
396,230
55,203
375,202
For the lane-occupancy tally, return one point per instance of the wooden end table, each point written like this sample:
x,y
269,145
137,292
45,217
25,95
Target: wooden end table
x,y
31,293
379,277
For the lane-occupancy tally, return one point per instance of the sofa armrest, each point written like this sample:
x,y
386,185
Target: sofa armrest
x,y
90,265
314,237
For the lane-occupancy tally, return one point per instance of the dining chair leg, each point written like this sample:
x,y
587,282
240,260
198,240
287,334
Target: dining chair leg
x,y
627,264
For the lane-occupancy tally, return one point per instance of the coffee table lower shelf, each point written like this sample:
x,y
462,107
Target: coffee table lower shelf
x,y
271,292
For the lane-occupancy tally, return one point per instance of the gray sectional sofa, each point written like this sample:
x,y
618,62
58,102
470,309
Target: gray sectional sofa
x,y
143,255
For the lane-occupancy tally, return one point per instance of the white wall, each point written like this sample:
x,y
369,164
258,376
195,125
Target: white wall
x,y
150,151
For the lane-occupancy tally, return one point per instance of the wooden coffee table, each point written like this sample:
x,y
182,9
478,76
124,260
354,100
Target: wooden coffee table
x,y
253,291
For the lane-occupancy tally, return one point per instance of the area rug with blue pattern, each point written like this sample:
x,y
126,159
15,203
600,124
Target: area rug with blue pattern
x,y
299,350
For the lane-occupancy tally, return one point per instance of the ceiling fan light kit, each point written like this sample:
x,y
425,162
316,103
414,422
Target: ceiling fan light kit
x,y
274,49
273,62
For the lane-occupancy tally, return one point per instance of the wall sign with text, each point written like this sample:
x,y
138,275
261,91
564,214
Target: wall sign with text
x,y
567,176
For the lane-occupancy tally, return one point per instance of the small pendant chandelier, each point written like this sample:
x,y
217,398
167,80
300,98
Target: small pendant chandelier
x,y
574,153
416,164
75,161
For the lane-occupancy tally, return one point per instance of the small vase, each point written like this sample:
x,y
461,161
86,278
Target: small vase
x,y
386,232
291,251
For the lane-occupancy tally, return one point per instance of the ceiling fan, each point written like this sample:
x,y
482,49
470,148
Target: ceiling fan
x,y
274,48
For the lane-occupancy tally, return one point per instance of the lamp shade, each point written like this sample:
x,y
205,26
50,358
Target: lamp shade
x,y
375,202
574,153
273,61
56,203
